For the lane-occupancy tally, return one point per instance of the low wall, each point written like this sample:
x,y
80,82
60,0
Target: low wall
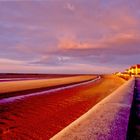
x,y
108,120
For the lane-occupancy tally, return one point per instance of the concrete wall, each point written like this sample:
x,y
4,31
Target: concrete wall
x,y
108,120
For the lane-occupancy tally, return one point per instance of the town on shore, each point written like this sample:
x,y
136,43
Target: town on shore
x,y
131,71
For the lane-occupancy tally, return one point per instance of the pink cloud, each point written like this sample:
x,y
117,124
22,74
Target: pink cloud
x,y
69,6
14,66
72,32
106,42
73,44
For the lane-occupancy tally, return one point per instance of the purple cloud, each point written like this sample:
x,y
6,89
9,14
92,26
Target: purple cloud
x,y
59,34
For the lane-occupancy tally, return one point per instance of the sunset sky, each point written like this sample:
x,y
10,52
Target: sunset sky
x,y
69,36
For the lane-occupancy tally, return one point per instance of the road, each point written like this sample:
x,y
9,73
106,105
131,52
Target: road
x,y
40,117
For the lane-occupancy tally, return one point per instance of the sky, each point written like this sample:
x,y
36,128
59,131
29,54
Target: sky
x,y
69,36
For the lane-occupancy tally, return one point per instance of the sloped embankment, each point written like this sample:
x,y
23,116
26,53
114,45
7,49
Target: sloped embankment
x,y
106,120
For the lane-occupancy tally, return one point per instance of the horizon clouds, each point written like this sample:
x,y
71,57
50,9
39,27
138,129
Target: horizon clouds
x,y
69,36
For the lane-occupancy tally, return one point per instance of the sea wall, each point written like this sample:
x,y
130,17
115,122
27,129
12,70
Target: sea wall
x,y
108,120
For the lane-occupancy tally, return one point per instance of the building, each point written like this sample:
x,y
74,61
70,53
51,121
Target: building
x,y
134,70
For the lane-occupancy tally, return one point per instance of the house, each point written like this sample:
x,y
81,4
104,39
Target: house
x,y
134,70
138,69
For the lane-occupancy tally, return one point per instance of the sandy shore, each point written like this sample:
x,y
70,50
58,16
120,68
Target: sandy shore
x,y
41,117
15,86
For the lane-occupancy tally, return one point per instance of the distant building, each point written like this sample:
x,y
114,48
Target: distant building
x,y
134,70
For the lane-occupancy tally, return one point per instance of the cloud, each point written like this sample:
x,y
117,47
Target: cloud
x,y
9,61
69,6
12,66
74,45
62,33
112,43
